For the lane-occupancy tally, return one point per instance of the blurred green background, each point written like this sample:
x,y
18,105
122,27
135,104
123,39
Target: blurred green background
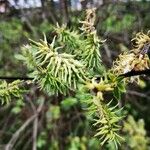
x,y
63,124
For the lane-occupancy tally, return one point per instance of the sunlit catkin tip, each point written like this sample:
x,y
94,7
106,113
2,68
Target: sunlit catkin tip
x,y
89,86
100,95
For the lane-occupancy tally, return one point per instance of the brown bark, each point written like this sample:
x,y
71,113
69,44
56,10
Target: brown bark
x,y
64,11
84,4
47,11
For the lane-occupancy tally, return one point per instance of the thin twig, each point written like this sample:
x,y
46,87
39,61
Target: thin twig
x,y
35,125
135,73
108,53
35,130
15,136
125,75
15,78
138,94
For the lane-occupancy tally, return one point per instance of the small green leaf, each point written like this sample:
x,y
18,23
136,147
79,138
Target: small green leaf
x,y
16,110
68,103
121,87
20,57
117,93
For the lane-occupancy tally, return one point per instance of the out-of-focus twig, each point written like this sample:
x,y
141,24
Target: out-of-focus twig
x,y
108,53
35,125
15,136
138,94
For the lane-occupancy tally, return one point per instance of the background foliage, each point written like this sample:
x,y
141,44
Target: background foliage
x,y
63,121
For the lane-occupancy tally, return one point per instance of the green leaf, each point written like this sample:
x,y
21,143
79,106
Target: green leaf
x,y
53,112
121,87
67,103
117,93
20,57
